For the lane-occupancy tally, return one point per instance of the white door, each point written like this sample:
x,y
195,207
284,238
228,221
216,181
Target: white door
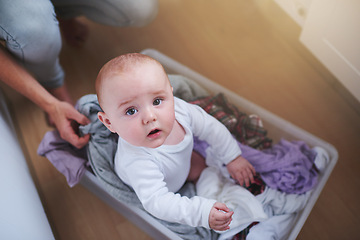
x,y
332,33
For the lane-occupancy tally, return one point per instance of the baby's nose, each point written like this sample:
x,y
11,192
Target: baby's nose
x,y
149,116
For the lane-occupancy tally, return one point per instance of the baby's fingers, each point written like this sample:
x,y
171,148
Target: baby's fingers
x,y
222,225
249,177
245,177
220,217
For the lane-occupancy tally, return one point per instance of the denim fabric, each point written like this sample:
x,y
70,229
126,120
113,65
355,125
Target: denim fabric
x,y
118,13
31,31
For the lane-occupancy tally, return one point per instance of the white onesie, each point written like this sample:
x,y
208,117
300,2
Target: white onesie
x,y
156,174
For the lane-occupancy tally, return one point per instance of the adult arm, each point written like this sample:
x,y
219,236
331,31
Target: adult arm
x,y
62,113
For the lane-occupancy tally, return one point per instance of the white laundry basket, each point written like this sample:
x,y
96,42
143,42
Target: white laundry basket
x,y
277,128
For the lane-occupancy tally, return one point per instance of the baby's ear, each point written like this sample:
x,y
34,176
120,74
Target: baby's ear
x,y
105,120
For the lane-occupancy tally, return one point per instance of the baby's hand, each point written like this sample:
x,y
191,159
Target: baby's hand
x,y
242,171
220,217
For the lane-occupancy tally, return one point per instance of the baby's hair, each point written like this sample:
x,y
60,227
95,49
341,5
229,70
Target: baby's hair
x,y
119,65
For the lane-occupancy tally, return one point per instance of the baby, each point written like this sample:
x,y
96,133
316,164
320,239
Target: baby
x,y
156,130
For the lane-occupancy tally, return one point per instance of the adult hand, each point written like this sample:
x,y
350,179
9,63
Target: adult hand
x,y
66,119
63,114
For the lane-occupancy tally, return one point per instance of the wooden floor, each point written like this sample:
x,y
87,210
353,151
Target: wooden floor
x,y
250,47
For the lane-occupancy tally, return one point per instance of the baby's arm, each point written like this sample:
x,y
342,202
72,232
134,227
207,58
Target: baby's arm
x,y
241,170
220,217
223,146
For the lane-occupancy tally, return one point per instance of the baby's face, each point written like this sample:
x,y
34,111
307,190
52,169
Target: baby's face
x,y
140,105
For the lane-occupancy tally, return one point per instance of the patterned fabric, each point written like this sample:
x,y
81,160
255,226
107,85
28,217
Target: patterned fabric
x,y
246,129
242,235
257,187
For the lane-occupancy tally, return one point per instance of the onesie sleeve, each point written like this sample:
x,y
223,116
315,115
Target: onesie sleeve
x,y
223,147
147,180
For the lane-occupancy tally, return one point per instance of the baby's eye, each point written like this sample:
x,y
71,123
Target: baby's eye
x,y
131,111
157,101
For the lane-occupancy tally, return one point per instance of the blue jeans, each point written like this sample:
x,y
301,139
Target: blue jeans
x,y
31,32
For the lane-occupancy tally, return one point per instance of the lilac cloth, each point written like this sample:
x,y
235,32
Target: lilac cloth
x,y
287,166
68,160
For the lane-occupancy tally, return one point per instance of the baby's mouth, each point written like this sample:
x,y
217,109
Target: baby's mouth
x,y
153,132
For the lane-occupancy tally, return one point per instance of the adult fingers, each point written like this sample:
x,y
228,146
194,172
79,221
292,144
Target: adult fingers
x,y
79,118
68,134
